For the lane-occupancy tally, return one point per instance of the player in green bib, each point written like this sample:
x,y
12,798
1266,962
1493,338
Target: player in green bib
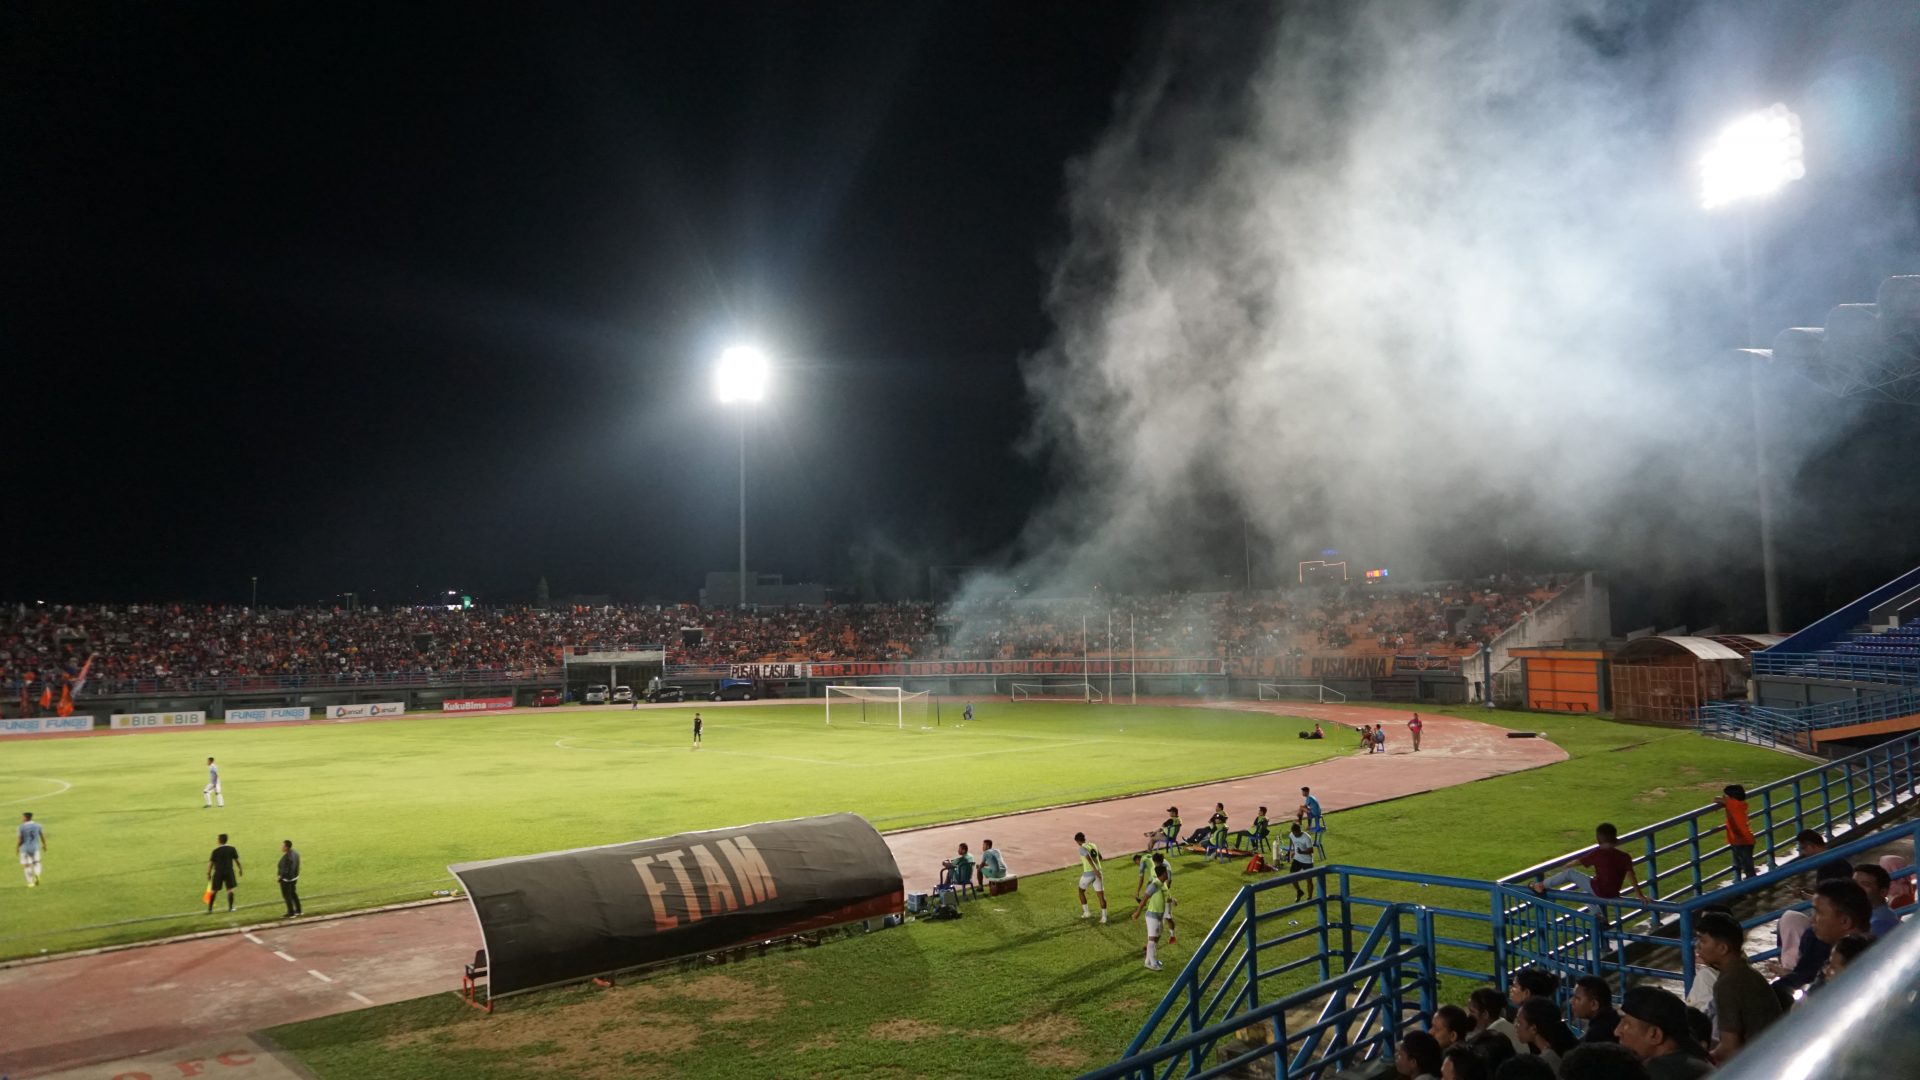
x,y
1090,875
1157,904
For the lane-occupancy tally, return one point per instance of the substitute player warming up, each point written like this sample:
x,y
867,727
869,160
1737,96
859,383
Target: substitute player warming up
x,y
1157,904
29,844
212,790
1090,875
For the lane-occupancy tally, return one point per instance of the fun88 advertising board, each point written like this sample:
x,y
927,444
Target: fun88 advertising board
x,y
268,716
41,725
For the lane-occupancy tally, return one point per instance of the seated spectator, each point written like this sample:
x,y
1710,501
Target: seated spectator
x,y
1489,1012
1418,1057
1537,1021
957,871
1812,845
1531,982
1462,1062
1845,952
1602,1061
1743,1003
1840,908
992,866
1366,737
1592,1005
1874,880
1450,1026
1611,868
1524,1067
1493,1047
1901,893
1654,1025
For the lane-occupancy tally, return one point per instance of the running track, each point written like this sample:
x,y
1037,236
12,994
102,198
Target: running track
x,y
83,1010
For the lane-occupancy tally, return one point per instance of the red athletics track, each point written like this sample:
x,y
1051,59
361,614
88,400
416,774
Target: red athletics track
x,y
80,1010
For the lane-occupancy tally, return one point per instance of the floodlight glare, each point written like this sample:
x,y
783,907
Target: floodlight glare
x,y
1755,156
741,375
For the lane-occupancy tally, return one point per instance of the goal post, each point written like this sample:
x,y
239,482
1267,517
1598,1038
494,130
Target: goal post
x,y
888,705
1300,691
1077,691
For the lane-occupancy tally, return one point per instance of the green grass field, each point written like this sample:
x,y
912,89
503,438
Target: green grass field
x,y
1020,986
378,809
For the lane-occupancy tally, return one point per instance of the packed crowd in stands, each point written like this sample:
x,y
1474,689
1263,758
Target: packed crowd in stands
x,y
45,647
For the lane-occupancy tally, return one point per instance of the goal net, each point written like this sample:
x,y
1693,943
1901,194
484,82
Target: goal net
x,y
1074,691
1300,691
887,705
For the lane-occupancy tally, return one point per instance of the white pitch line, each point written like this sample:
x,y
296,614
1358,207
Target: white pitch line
x,y
977,753
284,956
253,939
64,788
562,744
317,975
359,997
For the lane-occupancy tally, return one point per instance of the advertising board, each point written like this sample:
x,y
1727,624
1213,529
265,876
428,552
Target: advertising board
x,y
476,704
40,725
360,712
269,716
156,721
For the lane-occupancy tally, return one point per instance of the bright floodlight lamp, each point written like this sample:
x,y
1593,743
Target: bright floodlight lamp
x,y
741,375
1755,156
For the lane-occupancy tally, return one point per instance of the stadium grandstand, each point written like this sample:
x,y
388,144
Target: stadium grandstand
x,y
50,652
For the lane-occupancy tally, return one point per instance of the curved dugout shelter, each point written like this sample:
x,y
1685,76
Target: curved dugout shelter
x,y
1664,680
568,916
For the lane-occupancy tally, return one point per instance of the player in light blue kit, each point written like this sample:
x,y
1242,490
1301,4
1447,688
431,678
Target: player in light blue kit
x,y
30,843
212,790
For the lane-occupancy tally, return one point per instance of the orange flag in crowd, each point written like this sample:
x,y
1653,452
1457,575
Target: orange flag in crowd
x,y
66,701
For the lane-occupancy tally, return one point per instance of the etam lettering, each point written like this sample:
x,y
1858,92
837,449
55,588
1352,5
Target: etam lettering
x,y
675,896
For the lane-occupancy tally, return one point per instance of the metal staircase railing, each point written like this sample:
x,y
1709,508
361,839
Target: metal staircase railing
x,y
1379,944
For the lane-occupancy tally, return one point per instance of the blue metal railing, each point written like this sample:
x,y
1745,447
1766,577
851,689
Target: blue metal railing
x,y
1686,855
1904,671
1795,727
1376,957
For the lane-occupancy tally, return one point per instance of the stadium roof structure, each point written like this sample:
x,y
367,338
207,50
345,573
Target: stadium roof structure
x,y
1867,350
1653,644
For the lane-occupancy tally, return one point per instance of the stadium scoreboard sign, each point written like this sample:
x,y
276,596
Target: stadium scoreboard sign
x,y
568,916
154,721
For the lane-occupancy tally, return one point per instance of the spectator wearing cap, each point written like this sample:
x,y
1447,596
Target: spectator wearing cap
x,y
1874,880
1653,1024
1592,1005
1743,1003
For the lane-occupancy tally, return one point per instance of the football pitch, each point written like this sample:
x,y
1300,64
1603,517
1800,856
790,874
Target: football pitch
x,y
379,809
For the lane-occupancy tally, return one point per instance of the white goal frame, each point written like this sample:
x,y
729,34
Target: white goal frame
x,y
892,703
1300,691
1083,691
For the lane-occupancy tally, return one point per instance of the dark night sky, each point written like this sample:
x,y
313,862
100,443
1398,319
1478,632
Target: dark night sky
x,y
364,302
388,298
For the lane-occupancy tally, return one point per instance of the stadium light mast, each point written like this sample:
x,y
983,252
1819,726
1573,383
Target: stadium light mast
x,y
740,379
1751,160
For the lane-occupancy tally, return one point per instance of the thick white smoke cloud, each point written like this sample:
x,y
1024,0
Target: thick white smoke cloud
x,y
1420,259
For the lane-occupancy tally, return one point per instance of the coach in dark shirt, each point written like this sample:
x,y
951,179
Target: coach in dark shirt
x,y
289,875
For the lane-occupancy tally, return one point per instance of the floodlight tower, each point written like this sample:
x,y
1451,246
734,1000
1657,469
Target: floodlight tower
x,y
740,378
1753,158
